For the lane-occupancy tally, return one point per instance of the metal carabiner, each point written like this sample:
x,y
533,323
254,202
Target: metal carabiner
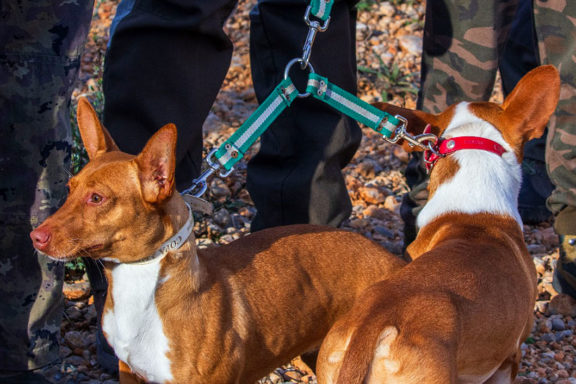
x,y
200,184
314,27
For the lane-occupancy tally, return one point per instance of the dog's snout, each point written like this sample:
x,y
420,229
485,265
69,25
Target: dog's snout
x,y
41,238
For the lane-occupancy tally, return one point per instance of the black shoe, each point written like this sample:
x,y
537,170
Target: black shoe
x,y
28,377
565,271
536,187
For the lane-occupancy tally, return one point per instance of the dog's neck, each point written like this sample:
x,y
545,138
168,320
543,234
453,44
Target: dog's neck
x,y
482,183
131,320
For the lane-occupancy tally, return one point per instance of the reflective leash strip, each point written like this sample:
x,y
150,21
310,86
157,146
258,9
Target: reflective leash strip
x,y
233,149
321,8
350,105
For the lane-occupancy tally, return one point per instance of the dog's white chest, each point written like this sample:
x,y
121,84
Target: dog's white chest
x,y
134,327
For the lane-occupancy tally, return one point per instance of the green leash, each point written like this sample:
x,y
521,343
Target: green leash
x,y
350,105
321,8
233,149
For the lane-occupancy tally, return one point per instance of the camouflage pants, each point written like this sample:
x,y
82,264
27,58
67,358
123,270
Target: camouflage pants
x,y
40,44
463,47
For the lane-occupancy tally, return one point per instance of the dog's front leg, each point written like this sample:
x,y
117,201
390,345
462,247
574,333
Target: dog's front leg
x,y
127,376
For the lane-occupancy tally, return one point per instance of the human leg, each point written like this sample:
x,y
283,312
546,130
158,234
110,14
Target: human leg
x,y
165,64
39,61
556,37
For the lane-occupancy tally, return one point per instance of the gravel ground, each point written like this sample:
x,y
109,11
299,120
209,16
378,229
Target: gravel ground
x,y
388,44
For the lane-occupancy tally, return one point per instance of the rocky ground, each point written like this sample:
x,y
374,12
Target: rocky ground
x,y
389,35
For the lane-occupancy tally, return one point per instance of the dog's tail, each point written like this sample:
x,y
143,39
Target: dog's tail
x,y
369,349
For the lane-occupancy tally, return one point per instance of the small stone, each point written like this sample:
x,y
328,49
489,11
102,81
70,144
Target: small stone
x,y
222,218
371,195
75,360
563,304
386,9
359,223
411,44
548,337
541,306
563,334
367,169
73,313
536,248
219,190
392,204
558,324
401,154
539,264
90,313
76,291
75,339
384,231
292,375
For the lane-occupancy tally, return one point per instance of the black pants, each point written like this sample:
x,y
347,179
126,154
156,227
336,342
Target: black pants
x,y
166,62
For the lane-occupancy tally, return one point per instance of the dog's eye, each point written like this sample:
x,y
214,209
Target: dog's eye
x,y
95,199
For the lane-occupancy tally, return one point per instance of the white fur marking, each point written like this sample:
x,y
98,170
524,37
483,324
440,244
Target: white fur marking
x,y
485,182
134,327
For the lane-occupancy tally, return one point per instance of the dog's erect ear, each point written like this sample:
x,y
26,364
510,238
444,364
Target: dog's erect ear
x,y
95,137
156,165
534,99
417,122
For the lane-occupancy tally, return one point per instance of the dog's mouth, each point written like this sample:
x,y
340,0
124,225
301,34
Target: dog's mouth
x,y
92,248
73,254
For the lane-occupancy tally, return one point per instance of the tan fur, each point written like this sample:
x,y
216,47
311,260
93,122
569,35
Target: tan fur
x,y
232,313
461,309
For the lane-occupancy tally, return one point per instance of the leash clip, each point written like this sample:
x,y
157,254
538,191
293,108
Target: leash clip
x,y
313,28
426,141
200,184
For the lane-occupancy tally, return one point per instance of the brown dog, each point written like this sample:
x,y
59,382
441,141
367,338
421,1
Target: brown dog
x,y
175,314
460,311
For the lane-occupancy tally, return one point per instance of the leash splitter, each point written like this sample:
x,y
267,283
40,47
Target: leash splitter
x,y
392,128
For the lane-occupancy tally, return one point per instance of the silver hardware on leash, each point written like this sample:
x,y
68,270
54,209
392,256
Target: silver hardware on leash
x,y
426,141
287,71
200,184
314,28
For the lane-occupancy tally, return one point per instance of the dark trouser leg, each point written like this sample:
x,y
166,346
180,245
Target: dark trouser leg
x,y
520,55
165,64
296,176
39,61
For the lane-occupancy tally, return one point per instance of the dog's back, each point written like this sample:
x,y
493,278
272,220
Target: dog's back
x,y
461,309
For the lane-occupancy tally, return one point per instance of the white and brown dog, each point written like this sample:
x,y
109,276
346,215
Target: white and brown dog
x,y
460,311
177,314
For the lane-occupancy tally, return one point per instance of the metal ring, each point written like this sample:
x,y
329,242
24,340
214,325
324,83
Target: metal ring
x,y
287,72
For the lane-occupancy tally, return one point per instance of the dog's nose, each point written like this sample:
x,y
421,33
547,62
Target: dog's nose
x,y
41,238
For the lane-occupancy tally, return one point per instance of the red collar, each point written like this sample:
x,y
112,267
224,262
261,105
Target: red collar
x,y
446,147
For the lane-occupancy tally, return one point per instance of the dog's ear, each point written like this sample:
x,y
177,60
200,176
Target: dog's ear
x,y
417,122
95,137
529,106
156,165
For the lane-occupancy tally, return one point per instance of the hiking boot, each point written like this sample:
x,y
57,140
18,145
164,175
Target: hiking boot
x,y
536,187
565,271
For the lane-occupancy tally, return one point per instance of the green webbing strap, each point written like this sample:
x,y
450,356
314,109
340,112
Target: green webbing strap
x,y
345,102
233,149
321,8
